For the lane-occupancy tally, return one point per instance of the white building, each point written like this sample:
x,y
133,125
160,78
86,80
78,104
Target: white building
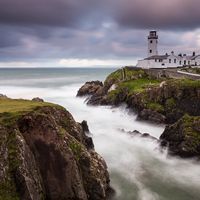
x,y
168,60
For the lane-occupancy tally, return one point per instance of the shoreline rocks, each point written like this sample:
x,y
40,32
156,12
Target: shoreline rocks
x,y
90,88
162,101
2,96
183,137
151,115
46,154
137,133
166,101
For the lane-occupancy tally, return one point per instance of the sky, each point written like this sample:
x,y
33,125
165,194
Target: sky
x,y
81,33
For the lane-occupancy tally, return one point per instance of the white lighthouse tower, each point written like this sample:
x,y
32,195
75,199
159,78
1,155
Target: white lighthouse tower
x,y
152,44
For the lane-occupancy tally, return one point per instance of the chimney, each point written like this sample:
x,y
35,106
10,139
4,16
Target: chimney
x,y
172,52
193,54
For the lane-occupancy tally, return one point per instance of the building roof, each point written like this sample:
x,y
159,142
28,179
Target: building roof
x,y
163,57
194,57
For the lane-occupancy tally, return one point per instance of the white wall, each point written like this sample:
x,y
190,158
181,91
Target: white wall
x,y
197,61
153,47
149,64
169,62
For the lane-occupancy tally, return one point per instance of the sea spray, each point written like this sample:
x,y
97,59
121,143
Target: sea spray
x,y
139,170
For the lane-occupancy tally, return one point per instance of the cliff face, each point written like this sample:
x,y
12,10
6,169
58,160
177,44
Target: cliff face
x,y
183,137
45,154
161,100
169,101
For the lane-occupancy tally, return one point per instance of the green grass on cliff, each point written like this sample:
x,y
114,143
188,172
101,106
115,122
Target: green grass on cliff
x,y
139,85
131,73
12,108
136,81
19,105
132,87
184,83
155,106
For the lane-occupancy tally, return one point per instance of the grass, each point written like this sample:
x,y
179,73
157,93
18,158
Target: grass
x,y
130,74
170,103
62,132
11,109
19,105
76,148
184,83
8,191
155,106
139,85
7,186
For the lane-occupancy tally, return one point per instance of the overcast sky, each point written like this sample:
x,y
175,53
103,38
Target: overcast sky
x,y
42,33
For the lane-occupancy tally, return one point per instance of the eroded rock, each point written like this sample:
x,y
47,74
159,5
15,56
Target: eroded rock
x,y
139,134
47,155
37,99
183,137
151,115
90,88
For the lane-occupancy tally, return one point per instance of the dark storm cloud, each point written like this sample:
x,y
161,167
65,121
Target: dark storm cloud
x,y
45,12
106,29
158,14
163,14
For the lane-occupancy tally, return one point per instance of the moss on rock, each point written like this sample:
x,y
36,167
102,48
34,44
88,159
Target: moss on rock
x,y
183,137
45,155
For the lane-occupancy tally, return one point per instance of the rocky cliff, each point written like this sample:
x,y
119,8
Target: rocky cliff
x,y
45,154
160,100
183,137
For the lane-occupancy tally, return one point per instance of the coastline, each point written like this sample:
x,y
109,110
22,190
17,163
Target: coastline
x,y
157,99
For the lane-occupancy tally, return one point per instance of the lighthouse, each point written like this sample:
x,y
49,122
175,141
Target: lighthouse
x,y
152,44
167,60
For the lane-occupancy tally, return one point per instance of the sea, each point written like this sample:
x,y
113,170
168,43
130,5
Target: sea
x,y
138,169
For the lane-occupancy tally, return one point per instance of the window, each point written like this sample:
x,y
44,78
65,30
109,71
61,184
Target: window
x,y
184,62
174,60
150,51
170,60
188,62
155,60
196,63
151,41
180,63
160,60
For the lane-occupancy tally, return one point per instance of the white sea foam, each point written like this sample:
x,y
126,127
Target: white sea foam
x,y
139,171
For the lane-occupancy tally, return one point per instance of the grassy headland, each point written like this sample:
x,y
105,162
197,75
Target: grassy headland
x,y
169,97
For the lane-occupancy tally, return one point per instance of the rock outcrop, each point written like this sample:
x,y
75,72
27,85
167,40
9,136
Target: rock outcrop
x,y
45,154
160,100
90,88
37,99
183,137
2,96
151,115
139,134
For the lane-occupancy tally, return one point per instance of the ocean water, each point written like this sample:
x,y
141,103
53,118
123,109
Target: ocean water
x,y
139,171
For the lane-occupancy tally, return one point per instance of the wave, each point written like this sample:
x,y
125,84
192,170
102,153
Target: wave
x,y
139,170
